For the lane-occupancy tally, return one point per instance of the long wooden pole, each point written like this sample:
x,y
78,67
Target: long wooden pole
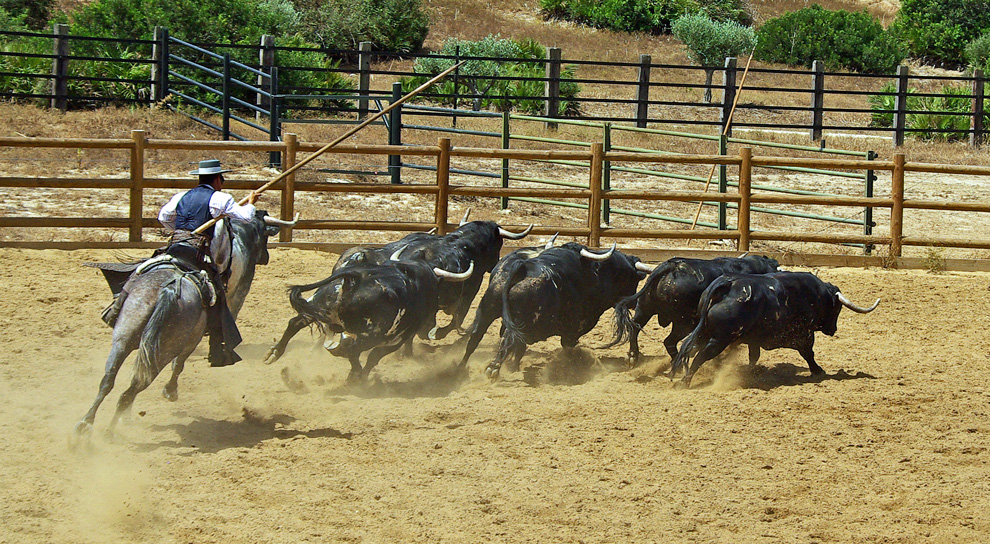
x,y
345,136
728,123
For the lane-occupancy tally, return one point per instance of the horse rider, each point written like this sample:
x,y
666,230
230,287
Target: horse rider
x,y
182,215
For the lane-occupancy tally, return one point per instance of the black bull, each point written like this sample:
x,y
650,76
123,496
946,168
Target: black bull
x,y
539,293
764,311
377,308
672,292
477,242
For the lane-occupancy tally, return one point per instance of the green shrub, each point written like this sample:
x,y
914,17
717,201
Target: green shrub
x,y
28,65
978,53
209,21
840,39
652,16
937,31
952,127
476,77
31,14
390,25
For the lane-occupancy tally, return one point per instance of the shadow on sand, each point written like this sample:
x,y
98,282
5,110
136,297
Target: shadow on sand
x,y
211,435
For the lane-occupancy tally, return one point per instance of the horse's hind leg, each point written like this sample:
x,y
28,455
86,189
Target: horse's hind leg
x,y
144,374
118,353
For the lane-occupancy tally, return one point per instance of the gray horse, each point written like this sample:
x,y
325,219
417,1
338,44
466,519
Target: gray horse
x,y
164,315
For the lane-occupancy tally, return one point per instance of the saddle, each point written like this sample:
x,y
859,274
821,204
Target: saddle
x,y
177,257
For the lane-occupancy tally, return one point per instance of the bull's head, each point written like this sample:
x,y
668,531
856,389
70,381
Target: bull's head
x,y
271,228
840,300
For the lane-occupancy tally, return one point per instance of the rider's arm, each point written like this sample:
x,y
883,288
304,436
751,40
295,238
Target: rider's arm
x,y
223,204
167,214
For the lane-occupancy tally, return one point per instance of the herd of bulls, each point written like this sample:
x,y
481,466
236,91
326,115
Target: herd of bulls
x,y
378,299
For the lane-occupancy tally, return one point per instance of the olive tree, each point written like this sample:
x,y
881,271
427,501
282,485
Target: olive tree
x,y
709,42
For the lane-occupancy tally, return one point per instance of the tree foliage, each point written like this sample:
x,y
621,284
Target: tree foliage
x,y
30,14
479,77
652,16
390,25
978,53
840,39
937,31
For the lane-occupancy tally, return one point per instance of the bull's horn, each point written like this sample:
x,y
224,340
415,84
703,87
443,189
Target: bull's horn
x,y
454,276
464,219
269,220
550,242
432,231
514,236
859,309
598,256
644,267
395,256
743,255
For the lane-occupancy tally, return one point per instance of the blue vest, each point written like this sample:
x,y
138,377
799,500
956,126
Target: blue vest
x,y
193,209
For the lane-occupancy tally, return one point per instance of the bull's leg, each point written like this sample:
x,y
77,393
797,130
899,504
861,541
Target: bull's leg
x,y
456,320
640,319
678,331
513,354
807,351
296,324
118,353
377,354
754,354
709,351
483,319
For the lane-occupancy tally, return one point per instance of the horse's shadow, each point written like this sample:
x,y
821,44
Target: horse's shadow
x,y
211,436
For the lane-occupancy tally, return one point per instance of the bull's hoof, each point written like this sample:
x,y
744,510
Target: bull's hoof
x,y
682,384
492,373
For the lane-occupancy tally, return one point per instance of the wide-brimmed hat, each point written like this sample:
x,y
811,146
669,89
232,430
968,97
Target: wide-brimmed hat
x,y
211,166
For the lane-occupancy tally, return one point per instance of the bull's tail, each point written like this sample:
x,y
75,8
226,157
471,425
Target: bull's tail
x,y
624,324
513,336
150,347
305,308
713,294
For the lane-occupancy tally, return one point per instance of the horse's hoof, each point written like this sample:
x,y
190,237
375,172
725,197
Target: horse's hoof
x,y
80,440
492,373
432,335
170,395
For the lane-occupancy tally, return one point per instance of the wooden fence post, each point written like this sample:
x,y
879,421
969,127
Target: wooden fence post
x,y
900,105
745,190
289,191
60,68
728,95
978,136
643,91
266,60
595,202
159,67
364,78
817,99
552,108
897,209
274,113
137,185
506,140
443,184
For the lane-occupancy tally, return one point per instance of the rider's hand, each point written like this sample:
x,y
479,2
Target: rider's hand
x,y
253,197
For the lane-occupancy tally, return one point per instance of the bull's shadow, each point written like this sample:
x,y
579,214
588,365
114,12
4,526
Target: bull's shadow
x,y
767,378
211,435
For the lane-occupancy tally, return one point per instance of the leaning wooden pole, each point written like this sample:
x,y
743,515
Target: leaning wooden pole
x,y
725,130
345,136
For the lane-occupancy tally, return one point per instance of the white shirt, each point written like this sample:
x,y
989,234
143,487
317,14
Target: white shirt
x,y
220,204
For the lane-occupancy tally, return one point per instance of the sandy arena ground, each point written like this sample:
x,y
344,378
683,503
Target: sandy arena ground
x,y
890,447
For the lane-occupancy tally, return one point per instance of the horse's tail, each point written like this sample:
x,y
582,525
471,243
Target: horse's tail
x,y
149,349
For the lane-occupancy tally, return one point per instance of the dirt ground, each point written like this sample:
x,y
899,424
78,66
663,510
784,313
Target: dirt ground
x,y
890,447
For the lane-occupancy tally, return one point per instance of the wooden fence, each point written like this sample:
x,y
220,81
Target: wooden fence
x,y
443,190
